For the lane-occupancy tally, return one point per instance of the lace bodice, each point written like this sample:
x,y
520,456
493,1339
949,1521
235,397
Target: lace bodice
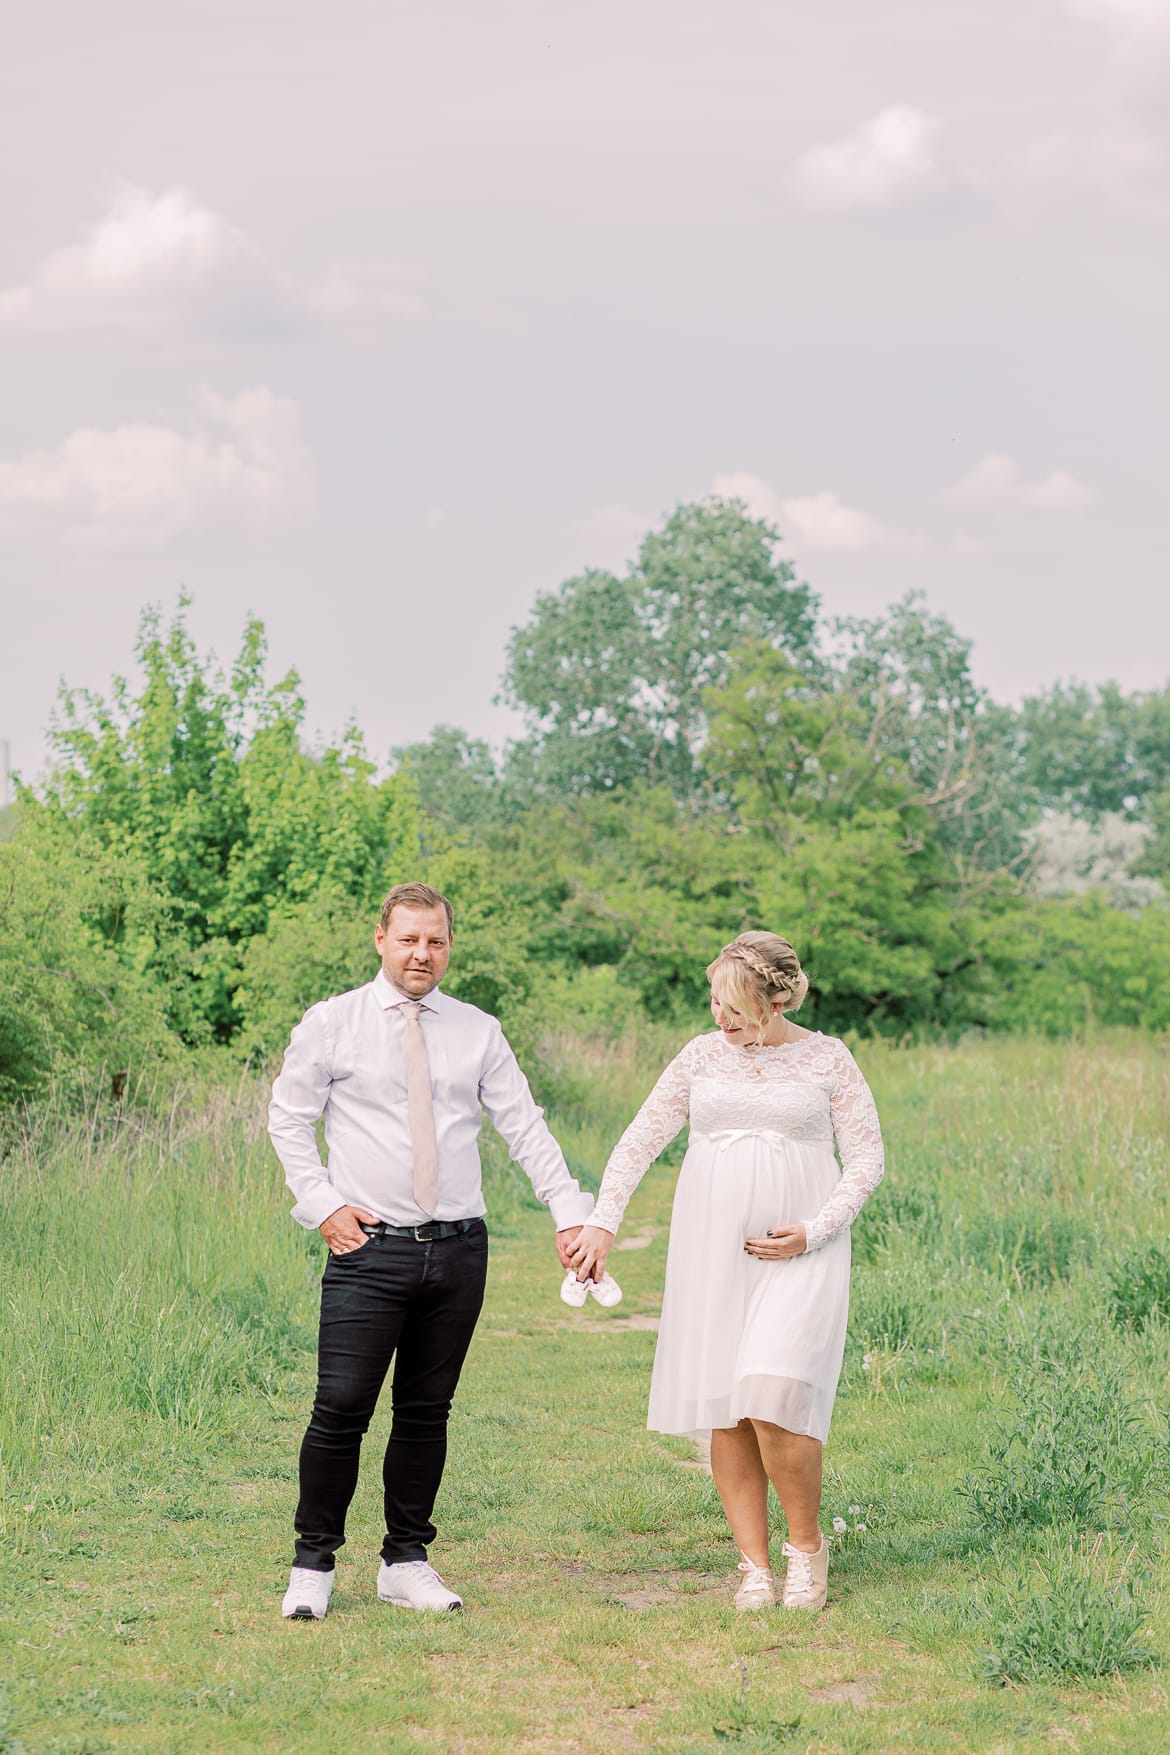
x,y
810,1089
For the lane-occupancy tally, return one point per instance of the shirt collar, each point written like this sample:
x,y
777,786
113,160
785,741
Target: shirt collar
x,y
388,996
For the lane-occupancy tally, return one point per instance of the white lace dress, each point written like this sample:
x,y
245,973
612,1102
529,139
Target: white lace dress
x,y
742,1337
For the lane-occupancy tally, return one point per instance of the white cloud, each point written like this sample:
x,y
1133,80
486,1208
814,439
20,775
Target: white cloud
x,y
141,486
609,536
150,261
370,292
998,480
814,523
884,163
162,262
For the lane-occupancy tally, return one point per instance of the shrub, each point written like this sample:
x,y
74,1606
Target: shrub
x,y
1057,1451
1079,1623
1139,1288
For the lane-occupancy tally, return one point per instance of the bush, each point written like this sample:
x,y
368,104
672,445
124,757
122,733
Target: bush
x,y
1079,1623
76,1011
1057,1451
1139,1288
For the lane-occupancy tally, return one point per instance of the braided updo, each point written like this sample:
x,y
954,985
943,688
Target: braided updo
x,y
754,972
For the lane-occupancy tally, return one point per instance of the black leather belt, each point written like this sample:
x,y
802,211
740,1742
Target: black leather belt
x,y
429,1232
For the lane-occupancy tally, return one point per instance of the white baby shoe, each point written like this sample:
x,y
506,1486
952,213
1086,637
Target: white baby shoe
x,y
606,1290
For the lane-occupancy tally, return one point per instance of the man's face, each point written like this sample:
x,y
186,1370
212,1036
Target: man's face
x,y
415,949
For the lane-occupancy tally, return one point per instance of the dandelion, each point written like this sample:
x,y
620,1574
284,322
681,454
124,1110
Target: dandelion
x,y
977,1313
867,1361
839,1526
860,1528
855,1511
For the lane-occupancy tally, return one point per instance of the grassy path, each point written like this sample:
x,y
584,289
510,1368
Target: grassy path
x,y
142,1599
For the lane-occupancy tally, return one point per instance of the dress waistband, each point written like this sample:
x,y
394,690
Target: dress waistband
x,y
724,1137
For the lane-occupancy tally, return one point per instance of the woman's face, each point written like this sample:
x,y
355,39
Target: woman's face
x,y
735,1027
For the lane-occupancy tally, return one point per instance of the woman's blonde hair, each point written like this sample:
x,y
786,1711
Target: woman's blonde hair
x,y
753,972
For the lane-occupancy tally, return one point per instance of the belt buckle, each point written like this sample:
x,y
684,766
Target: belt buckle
x,y
417,1231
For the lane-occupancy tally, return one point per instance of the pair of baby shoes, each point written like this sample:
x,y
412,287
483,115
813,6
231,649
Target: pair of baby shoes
x,y
606,1290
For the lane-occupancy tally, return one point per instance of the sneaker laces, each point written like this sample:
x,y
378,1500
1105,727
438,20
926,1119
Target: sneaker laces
x,y
756,1577
799,1566
422,1569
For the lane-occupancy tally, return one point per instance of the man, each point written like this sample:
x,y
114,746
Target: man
x,y
402,1074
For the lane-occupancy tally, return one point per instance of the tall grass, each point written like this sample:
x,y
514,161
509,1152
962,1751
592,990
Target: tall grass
x,y
1008,1332
152,1276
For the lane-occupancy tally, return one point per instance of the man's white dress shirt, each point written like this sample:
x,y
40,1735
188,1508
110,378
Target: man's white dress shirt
x,y
345,1062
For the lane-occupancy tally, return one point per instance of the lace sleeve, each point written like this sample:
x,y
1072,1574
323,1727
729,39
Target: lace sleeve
x,y
661,1117
859,1146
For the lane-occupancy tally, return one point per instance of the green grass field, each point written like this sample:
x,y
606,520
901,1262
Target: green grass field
x,y
1001,1432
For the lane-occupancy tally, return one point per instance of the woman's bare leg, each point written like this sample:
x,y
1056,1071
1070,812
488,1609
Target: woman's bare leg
x,y
742,1481
792,1462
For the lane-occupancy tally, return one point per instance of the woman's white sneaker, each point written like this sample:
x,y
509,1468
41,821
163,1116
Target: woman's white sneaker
x,y
307,1596
413,1584
758,1590
806,1585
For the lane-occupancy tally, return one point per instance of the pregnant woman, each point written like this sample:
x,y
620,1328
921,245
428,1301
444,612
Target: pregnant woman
x,y
757,1271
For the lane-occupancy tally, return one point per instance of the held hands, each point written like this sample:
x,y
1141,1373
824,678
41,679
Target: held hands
x,y
565,1241
342,1232
780,1244
587,1253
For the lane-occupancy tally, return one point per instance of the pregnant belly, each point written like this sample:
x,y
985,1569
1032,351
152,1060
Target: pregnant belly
x,y
749,1182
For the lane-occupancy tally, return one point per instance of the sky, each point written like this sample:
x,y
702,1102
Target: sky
x,y
377,321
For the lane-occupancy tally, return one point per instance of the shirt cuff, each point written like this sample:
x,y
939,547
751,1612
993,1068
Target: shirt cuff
x,y
570,1209
316,1206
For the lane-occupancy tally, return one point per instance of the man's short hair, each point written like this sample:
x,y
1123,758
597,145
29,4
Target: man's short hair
x,y
416,896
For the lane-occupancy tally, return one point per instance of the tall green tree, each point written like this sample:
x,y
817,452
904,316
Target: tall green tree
x,y
610,672
909,673
456,780
79,922
786,747
203,779
1092,751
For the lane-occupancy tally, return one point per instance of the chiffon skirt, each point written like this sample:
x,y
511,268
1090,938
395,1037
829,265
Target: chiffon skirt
x,y
741,1337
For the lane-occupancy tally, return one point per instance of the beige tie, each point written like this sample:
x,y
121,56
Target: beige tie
x,y
420,1110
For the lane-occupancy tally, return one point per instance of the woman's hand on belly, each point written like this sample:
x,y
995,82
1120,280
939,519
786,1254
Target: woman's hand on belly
x,y
778,1245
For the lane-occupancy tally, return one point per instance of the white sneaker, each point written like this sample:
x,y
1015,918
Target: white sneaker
x,y
758,1590
307,1596
413,1584
606,1291
806,1585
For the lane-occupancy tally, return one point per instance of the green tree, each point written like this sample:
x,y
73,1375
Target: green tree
x,y
77,1008
455,779
1092,751
203,780
786,747
909,672
610,673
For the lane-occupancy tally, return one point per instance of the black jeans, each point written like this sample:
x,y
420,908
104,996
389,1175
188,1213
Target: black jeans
x,y
416,1303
